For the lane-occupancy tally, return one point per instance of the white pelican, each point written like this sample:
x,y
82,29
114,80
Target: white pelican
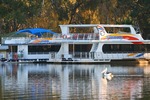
x,y
107,75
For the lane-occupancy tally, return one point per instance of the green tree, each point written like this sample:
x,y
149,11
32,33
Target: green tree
x,y
141,16
14,13
18,14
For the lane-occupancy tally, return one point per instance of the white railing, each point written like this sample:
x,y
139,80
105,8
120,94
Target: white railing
x,y
91,55
36,53
78,36
27,40
79,55
15,40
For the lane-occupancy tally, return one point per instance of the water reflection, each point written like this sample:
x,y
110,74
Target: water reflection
x,y
54,81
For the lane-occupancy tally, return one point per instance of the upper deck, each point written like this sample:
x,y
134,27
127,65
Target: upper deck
x,y
66,28
124,34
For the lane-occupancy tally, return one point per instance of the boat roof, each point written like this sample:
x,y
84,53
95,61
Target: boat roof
x,y
35,31
94,25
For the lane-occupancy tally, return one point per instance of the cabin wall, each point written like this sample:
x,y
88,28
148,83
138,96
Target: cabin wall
x,y
64,51
38,56
22,50
3,54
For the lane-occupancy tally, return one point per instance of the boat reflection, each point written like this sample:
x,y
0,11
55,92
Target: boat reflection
x,y
49,81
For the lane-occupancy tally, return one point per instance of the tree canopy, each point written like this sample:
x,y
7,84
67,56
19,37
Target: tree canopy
x,y
20,14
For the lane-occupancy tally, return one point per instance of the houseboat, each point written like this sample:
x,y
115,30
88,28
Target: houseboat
x,y
83,43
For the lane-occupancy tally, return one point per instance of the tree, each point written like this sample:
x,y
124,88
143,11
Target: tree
x,y
18,14
14,13
141,16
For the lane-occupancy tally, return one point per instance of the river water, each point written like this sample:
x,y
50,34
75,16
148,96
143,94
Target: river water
x,y
73,82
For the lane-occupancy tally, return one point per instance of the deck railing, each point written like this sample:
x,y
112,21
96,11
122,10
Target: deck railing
x,y
91,55
36,53
79,55
28,40
78,36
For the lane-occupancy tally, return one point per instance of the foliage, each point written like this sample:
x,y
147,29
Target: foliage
x,y
141,15
19,14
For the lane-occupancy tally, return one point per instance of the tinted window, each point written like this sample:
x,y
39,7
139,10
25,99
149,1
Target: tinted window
x,y
127,48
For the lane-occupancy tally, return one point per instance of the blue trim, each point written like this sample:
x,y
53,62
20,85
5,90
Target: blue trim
x,y
139,55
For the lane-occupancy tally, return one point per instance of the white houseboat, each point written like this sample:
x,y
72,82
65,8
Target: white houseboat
x,y
84,43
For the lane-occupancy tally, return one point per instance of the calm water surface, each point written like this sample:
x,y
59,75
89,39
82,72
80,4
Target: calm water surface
x,y
73,82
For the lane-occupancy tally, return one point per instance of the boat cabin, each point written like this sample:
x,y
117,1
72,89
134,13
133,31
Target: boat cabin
x,y
80,43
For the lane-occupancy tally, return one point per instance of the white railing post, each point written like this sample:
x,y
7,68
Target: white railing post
x,y
80,55
89,55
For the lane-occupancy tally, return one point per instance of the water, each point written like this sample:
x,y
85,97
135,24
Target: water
x,y
73,82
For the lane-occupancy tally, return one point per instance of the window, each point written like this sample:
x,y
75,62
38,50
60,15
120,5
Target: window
x,y
125,48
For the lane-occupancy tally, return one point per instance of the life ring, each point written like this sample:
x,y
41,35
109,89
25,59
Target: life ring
x,y
64,36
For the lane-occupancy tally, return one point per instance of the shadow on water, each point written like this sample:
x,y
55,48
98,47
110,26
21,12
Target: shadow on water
x,y
21,81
